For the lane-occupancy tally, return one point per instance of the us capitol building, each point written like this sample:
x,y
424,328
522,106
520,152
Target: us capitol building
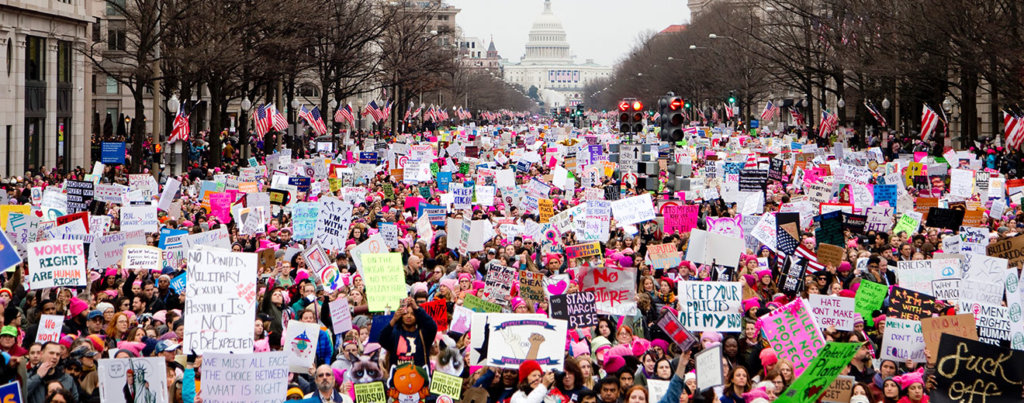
x,y
550,66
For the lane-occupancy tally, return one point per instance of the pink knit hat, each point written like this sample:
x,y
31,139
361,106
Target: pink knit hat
x,y
751,303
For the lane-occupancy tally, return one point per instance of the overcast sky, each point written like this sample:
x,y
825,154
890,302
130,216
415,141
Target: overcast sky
x,y
603,30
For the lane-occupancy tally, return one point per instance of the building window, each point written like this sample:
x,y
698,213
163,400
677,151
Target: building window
x,y
112,85
10,56
116,36
93,83
97,32
63,62
114,7
308,90
35,58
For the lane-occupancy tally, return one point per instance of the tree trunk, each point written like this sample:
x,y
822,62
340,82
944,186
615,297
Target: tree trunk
x,y
216,115
969,116
138,129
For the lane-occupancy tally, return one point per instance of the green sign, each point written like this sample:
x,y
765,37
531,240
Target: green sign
x,y
442,384
372,392
869,298
907,224
476,304
822,371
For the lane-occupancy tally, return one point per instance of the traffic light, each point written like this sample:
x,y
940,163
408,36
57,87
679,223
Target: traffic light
x,y
672,119
624,116
686,104
732,98
579,109
637,116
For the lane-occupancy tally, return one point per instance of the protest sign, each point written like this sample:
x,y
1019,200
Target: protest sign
x,y
371,392
907,223
910,305
546,209
9,255
827,364
969,370
79,195
830,254
58,263
710,248
477,304
709,368
945,218
680,219
753,180
633,210
304,217
917,275
583,250
49,328
142,257
993,321
11,392
613,287
664,256
385,281
578,309
838,312
498,283
902,340
531,286
442,384
374,244
973,240
221,289
316,259
341,316
962,325
515,339
137,217
869,298
675,331
656,390
332,223
710,306
462,319
1010,249
840,390
245,378
108,250
300,341
143,378
791,331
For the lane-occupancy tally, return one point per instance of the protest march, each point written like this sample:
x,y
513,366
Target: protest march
x,y
524,261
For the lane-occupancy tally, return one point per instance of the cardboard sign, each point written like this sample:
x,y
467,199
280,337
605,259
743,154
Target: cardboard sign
x,y
221,288
247,378
710,306
902,341
709,368
1010,249
962,325
613,287
385,281
58,263
840,390
838,312
515,339
910,305
830,254
583,250
531,286
578,309
142,257
827,364
49,328
332,223
998,381
791,332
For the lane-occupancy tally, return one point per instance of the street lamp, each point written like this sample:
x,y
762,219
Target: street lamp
x,y
841,103
886,104
947,105
246,104
173,104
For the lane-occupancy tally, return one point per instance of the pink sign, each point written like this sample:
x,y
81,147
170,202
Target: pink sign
x,y
220,206
413,202
793,334
681,219
613,288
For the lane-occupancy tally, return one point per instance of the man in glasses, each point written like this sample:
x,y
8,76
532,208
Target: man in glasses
x,y
325,391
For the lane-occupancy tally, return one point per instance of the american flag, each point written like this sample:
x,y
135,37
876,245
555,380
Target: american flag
x,y
769,111
714,115
417,112
730,112
408,113
929,120
797,116
181,129
754,160
1014,129
700,111
385,112
263,121
690,131
812,259
344,114
279,122
873,110
442,113
313,118
374,111
829,123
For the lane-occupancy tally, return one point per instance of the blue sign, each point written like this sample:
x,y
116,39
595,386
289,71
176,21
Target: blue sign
x,y
168,232
368,158
11,393
436,214
9,254
755,124
301,183
178,283
443,179
112,152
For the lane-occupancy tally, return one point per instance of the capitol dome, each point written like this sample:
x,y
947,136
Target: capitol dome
x,y
547,42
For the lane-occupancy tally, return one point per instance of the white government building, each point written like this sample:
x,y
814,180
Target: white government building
x,y
549,65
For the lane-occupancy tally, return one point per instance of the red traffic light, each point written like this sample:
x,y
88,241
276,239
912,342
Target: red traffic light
x,y
675,104
623,106
637,105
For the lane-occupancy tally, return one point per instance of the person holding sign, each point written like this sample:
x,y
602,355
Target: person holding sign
x,y
533,383
409,334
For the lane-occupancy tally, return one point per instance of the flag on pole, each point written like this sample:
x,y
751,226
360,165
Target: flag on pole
x,y
1013,126
730,111
264,121
769,111
278,120
313,118
873,110
797,116
829,123
344,114
929,119
181,129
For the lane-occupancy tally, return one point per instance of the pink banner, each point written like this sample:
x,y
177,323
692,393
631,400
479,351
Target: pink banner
x,y
681,219
220,206
793,334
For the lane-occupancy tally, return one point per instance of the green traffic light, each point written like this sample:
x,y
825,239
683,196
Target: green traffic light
x,y
732,100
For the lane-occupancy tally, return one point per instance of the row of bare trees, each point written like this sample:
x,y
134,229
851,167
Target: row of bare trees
x,y
943,53
263,50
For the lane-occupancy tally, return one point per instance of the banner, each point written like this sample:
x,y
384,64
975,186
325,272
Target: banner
x,y
514,339
245,378
710,306
57,263
385,281
141,379
827,364
792,333
838,312
614,289
221,288
902,341
967,370
578,309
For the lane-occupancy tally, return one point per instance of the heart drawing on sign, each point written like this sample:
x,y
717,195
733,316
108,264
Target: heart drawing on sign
x,y
557,285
